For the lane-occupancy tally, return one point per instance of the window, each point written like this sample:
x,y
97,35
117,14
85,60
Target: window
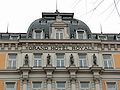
x,y
60,85
60,60
80,34
59,34
12,61
10,86
82,61
14,37
36,85
84,86
111,86
38,34
107,58
37,60
102,37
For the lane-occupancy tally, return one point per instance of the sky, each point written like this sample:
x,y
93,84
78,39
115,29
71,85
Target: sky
x,y
99,15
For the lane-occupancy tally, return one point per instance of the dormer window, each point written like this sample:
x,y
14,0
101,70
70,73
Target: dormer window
x,y
102,37
80,34
14,37
38,34
118,37
59,33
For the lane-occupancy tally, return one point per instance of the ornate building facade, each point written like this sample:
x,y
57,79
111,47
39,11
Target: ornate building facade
x,y
59,52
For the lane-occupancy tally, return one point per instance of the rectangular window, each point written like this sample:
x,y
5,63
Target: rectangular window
x,y
38,35
36,85
84,86
102,37
12,61
80,34
60,60
60,85
111,86
10,86
82,61
107,58
59,33
37,60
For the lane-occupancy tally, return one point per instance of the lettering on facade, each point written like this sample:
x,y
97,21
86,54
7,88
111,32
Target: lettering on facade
x,y
60,47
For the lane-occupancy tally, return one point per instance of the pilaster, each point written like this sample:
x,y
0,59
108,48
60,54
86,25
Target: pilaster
x,y
96,71
49,74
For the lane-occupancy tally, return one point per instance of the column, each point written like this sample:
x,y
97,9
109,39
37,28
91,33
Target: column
x,y
97,84
96,76
49,84
73,82
25,85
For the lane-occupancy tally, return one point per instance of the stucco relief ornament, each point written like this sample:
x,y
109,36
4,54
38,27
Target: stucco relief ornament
x,y
71,60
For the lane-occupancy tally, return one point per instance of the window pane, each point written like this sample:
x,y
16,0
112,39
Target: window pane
x,y
10,85
57,35
107,60
60,60
61,35
61,85
38,35
80,34
84,85
111,86
12,60
36,85
82,60
37,60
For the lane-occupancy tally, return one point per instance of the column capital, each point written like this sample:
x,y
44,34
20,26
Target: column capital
x,y
96,71
49,71
72,70
25,72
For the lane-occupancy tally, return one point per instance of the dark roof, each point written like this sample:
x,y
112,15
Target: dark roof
x,y
48,18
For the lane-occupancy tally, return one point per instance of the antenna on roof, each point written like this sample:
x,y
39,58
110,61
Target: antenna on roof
x,y
7,27
56,6
101,29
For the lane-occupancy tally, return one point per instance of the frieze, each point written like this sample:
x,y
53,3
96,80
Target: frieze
x,y
61,47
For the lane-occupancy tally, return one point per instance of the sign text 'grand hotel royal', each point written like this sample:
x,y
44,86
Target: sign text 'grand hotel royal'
x,y
60,47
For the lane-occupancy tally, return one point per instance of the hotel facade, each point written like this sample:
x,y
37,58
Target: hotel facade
x,y
59,52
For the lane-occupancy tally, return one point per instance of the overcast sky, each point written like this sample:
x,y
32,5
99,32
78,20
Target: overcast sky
x,y
97,14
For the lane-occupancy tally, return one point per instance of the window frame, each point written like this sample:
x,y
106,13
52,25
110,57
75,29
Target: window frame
x,y
35,33
108,61
83,35
10,65
60,88
111,82
60,60
84,61
37,88
85,88
59,31
39,60
15,87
